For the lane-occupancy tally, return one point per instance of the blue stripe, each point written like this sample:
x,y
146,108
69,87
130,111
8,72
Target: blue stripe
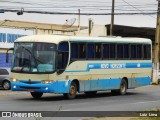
x,y
113,66
84,85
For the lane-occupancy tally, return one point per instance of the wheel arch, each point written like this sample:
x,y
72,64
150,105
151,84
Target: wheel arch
x,y
77,84
126,79
5,80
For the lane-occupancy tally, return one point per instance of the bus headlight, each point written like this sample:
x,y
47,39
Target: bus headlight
x,y
47,81
14,80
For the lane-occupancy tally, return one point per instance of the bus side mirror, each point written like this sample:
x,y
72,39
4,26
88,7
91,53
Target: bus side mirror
x,y
7,56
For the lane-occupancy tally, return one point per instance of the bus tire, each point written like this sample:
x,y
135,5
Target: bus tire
x,y
123,87
37,95
91,93
72,91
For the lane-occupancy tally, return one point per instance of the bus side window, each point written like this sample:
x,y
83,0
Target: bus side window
x,y
82,50
98,51
74,51
112,51
126,51
90,51
106,51
139,51
63,55
120,50
133,51
147,51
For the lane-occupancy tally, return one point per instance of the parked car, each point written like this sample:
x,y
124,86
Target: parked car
x,y
5,78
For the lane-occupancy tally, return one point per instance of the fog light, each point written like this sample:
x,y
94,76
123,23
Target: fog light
x,y
47,81
14,86
46,88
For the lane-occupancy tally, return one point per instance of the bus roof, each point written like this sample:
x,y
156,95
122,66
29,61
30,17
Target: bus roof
x,y
59,38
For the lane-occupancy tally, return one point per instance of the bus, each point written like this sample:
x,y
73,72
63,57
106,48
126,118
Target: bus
x,y
69,64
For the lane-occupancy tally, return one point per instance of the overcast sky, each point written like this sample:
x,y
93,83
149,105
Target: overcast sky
x,y
86,6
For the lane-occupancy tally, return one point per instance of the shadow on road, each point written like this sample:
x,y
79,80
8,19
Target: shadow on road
x,y
78,97
1,88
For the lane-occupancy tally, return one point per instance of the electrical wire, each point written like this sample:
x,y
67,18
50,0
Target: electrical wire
x,y
137,8
65,13
87,7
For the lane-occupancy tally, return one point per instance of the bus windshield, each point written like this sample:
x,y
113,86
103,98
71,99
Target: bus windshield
x,y
34,57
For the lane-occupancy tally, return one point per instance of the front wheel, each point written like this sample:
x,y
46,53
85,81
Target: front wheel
x,y
72,91
123,87
36,95
6,85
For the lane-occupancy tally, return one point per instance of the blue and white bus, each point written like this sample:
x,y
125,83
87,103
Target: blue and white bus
x,y
68,64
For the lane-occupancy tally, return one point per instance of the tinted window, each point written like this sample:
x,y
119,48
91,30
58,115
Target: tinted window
x,y
139,51
147,51
106,51
126,51
82,50
98,51
112,51
63,55
133,52
3,72
119,51
90,50
74,50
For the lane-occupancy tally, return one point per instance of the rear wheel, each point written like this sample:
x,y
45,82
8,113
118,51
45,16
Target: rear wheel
x,y
123,87
72,91
122,90
36,95
6,85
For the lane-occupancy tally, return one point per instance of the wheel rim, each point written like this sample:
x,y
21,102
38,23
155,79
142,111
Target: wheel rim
x,y
72,90
123,87
6,85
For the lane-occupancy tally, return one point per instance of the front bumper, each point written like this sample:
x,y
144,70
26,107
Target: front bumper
x,y
55,87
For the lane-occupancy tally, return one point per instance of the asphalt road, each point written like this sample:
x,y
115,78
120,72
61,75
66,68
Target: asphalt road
x,y
143,98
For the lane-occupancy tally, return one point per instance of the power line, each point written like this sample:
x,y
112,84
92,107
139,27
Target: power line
x,y
136,8
72,13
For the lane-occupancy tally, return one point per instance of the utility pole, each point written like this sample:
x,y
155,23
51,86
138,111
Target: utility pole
x,y
112,18
79,20
156,46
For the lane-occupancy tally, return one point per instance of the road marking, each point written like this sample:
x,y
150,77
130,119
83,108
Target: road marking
x,y
144,102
